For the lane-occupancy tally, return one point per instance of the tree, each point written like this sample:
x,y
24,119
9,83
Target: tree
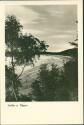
x,y
48,86
12,33
11,89
70,79
70,74
22,49
56,84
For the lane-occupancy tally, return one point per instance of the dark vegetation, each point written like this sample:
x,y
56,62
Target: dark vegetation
x,y
70,52
22,50
51,84
56,85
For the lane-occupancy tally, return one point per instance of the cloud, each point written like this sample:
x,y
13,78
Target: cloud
x,y
25,15
33,31
52,23
61,36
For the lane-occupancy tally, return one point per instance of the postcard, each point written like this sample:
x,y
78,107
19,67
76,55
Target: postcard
x,y
41,62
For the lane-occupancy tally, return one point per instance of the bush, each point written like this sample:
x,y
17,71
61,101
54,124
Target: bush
x,y
9,87
70,78
55,84
47,87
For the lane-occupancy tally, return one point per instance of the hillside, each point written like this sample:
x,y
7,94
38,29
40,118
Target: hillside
x,y
68,52
31,74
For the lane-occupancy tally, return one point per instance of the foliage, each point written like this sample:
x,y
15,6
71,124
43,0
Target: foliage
x,y
24,98
29,47
56,84
22,49
46,87
11,89
12,31
70,76
51,84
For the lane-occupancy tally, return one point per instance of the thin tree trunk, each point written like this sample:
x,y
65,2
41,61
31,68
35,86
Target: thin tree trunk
x,y
21,72
13,72
14,91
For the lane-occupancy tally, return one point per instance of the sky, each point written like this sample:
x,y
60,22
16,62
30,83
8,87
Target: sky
x,y
55,24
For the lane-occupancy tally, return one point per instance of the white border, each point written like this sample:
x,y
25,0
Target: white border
x,y
39,2
42,112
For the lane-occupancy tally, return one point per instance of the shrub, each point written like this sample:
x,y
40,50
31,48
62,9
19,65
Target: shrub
x,y
55,84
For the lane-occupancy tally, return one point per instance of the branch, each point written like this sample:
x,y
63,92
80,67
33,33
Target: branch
x,y
74,44
21,72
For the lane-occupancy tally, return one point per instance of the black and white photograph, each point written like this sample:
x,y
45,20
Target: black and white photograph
x,y
41,53
41,60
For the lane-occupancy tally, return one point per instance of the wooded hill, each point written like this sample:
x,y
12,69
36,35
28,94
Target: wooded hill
x,y
69,52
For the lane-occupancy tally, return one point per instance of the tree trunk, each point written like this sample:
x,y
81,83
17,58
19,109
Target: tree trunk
x,y
13,72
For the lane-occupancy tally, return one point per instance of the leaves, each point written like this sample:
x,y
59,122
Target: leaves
x,y
12,30
22,49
